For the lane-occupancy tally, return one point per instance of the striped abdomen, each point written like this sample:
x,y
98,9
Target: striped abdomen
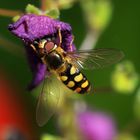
x,y
74,79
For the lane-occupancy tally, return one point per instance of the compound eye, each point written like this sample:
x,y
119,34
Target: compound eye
x,y
49,46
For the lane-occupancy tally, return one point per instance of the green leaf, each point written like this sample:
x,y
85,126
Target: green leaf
x,y
53,13
15,18
50,137
31,9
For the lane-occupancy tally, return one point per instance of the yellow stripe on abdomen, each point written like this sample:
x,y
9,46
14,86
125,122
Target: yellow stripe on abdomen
x,y
72,70
85,84
74,79
78,78
64,78
71,84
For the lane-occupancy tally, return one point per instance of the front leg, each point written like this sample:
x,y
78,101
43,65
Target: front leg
x,y
33,48
60,36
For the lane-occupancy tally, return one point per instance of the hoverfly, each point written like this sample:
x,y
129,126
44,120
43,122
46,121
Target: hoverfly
x,y
65,68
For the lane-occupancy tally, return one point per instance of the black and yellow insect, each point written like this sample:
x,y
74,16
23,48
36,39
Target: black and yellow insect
x,y
66,66
58,62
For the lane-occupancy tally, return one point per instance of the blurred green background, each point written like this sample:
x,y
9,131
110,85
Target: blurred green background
x,y
123,32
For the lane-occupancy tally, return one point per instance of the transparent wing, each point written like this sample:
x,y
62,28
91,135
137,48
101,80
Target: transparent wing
x,y
96,58
48,100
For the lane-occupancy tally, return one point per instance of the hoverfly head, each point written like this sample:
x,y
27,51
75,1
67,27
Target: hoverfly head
x,y
49,47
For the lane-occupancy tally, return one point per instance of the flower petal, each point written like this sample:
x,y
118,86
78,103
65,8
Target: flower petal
x,y
37,67
96,126
31,27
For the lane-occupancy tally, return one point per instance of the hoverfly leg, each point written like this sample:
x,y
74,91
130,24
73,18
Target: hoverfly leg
x,y
33,47
43,60
60,36
71,43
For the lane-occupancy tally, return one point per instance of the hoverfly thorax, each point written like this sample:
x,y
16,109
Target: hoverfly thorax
x,y
54,60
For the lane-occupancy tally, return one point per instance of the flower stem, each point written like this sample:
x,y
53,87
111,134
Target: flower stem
x,y
103,90
47,5
9,13
89,41
43,5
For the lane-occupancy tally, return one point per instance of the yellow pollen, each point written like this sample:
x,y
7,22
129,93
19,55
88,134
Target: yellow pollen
x,y
64,78
72,70
85,84
78,78
70,84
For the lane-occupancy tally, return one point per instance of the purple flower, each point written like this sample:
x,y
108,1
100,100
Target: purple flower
x,y
96,126
32,27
